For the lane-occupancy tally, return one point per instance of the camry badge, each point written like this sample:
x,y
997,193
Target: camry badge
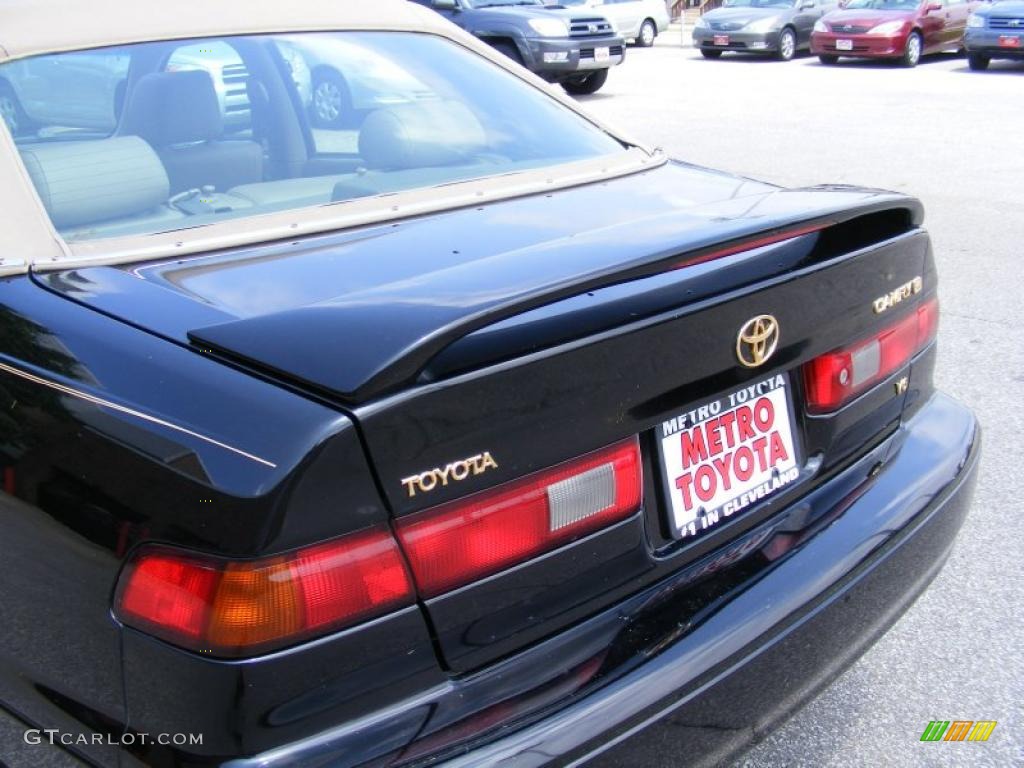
x,y
898,295
757,341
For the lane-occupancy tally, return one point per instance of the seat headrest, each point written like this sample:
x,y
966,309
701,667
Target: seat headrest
x,y
420,135
86,182
168,108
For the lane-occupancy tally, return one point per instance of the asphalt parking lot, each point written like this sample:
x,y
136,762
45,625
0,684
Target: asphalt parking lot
x,y
953,138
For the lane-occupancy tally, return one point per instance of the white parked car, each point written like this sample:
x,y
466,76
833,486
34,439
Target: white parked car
x,y
638,20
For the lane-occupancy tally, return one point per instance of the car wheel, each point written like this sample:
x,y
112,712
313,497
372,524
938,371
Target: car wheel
x,y
505,48
828,59
787,45
586,84
912,53
331,102
977,62
709,53
647,34
11,112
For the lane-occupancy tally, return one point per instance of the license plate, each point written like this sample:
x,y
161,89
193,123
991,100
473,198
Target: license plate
x,y
844,45
1009,41
726,456
602,54
721,40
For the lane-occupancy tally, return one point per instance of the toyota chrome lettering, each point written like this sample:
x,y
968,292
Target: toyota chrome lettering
x,y
456,471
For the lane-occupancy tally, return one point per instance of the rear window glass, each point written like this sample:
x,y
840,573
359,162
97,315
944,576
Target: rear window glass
x,y
159,137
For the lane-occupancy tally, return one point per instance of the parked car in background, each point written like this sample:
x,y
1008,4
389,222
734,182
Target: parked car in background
x,y
778,27
74,90
902,30
995,31
348,79
638,20
574,47
90,88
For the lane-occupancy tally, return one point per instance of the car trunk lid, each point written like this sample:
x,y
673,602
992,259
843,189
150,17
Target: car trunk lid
x,y
515,333
417,287
641,376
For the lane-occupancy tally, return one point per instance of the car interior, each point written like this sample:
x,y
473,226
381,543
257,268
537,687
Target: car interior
x,y
170,160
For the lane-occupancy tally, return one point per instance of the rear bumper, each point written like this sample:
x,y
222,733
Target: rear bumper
x,y
779,614
864,46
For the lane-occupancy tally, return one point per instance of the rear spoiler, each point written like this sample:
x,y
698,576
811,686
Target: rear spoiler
x,y
368,344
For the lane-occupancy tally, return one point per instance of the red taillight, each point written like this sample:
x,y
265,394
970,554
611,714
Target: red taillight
x,y
750,245
836,378
927,322
462,541
230,609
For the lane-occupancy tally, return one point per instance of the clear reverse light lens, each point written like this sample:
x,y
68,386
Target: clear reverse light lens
x,y
580,497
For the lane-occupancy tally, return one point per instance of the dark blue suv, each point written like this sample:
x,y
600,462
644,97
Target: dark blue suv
x,y
995,32
561,45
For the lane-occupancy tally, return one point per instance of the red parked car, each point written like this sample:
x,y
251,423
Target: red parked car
x,y
894,29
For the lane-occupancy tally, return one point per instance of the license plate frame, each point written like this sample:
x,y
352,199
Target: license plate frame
x,y
690,521
843,44
720,40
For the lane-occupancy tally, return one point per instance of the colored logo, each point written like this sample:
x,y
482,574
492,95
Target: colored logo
x,y
958,730
757,341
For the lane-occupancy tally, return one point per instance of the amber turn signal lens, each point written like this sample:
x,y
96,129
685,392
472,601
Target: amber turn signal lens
x,y
242,608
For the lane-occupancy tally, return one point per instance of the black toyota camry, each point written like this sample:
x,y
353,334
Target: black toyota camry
x,y
464,431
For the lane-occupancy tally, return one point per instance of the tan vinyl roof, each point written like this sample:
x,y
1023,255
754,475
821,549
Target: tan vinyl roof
x,y
28,27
